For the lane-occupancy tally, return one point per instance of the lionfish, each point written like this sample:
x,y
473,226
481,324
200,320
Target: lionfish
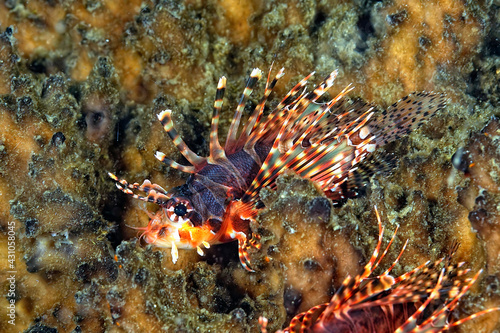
x,y
327,143
418,301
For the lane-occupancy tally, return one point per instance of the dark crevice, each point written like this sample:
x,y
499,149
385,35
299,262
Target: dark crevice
x,y
318,21
196,141
366,30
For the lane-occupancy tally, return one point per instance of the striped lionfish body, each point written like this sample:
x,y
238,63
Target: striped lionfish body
x,y
419,301
325,142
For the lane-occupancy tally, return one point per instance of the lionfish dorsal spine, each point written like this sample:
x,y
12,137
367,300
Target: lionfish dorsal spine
x,y
257,113
163,158
253,121
265,131
231,141
165,117
216,151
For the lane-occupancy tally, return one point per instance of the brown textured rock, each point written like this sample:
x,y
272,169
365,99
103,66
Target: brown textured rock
x,y
481,196
427,36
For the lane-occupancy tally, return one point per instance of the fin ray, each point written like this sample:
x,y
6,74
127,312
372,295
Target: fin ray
x,y
328,148
166,120
216,150
233,129
154,193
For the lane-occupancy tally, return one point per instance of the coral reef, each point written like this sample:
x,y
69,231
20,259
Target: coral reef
x,y
82,81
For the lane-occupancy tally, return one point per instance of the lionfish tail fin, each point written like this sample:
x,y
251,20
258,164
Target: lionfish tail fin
x,y
406,115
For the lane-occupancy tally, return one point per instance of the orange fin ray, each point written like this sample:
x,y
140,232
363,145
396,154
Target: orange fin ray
x,y
332,149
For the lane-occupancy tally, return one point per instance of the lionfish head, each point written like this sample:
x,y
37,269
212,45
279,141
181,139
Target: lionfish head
x,y
180,223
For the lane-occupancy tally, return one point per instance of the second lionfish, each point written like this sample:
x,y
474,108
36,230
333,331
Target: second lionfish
x,y
422,300
327,143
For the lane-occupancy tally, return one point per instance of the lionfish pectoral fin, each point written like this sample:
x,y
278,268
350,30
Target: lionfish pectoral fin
x,y
294,119
154,193
243,253
398,120
331,149
410,325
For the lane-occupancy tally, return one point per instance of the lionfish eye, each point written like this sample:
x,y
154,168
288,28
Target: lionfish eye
x,y
180,209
